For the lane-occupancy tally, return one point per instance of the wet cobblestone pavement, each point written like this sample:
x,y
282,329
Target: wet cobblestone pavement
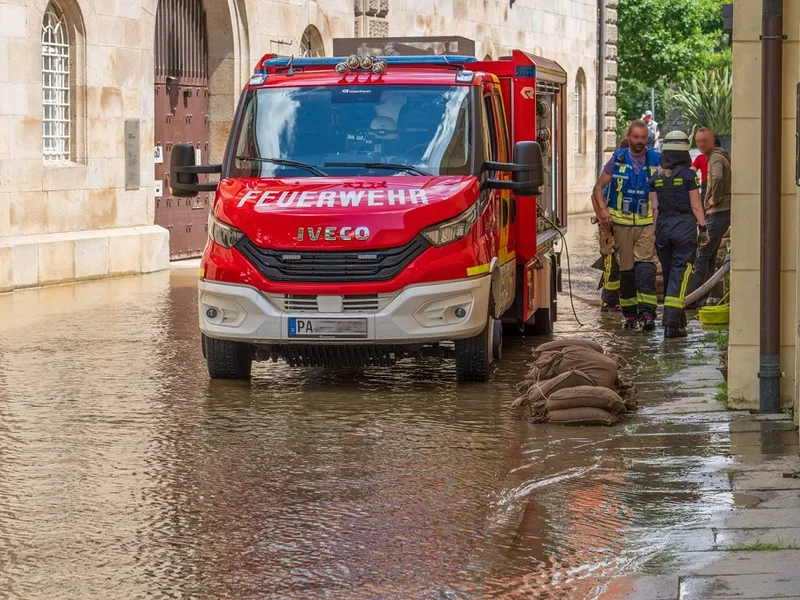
x,y
126,473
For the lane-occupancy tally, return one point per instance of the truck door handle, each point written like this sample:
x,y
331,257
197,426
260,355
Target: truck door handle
x,y
513,209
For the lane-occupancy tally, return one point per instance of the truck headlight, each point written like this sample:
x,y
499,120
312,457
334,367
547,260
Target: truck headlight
x,y
455,229
223,234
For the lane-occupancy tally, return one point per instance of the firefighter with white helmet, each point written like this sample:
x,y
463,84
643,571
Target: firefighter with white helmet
x,y
680,226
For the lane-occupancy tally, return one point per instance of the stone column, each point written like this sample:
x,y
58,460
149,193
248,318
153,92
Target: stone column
x,y
610,84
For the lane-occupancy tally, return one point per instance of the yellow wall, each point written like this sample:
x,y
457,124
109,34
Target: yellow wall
x,y
746,213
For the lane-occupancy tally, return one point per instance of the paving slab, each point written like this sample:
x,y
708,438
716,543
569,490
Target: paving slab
x,y
726,539
778,498
636,588
784,562
740,586
697,373
753,425
764,518
781,465
683,406
759,454
764,480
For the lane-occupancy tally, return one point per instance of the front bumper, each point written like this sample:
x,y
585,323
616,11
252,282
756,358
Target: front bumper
x,y
419,314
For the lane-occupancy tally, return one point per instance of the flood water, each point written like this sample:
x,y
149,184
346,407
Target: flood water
x,y
126,473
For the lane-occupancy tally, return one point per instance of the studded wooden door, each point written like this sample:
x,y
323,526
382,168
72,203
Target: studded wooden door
x,y
181,116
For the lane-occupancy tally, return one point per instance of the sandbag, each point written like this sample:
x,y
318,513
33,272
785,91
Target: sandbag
x,y
627,391
540,391
585,396
601,369
581,416
560,344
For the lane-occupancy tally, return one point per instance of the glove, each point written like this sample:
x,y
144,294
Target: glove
x,y
703,238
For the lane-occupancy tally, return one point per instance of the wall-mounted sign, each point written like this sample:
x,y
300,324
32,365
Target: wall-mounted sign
x,y
133,170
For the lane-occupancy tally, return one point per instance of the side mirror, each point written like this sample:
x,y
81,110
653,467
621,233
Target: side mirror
x,y
183,173
527,170
528,181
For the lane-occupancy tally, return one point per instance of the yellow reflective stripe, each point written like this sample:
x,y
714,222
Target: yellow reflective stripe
x,y
479,270
673,302
628,302
685,283
648,299
611,286
202,272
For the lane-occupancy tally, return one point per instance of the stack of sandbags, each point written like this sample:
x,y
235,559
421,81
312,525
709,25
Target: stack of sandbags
x,y
575,381
584,405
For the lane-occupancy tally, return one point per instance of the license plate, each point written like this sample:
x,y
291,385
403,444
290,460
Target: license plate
x,y
327,328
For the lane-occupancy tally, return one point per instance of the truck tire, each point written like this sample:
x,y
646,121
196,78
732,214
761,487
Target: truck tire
x,y
226,359
542,322
475,355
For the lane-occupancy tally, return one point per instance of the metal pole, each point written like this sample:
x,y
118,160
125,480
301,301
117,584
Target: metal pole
x,y
653,103
601,85
771,161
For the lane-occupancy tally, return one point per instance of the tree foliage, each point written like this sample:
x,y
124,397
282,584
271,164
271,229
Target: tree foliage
x,y
664,44
707,101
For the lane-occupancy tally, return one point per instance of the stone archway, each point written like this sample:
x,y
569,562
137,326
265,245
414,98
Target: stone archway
x,y
488,50
228,67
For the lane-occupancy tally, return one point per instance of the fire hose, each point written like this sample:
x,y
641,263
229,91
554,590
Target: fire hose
x,y
706,288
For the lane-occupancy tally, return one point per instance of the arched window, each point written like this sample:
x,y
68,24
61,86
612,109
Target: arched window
x,y
56,83
311,43
580,112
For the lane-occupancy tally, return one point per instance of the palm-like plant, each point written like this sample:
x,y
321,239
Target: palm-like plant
x,y
707,101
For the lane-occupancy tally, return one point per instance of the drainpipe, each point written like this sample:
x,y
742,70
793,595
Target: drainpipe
x,y
601,84
771,162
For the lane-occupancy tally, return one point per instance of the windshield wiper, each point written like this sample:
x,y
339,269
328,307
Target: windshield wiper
x,y
376,165
286,163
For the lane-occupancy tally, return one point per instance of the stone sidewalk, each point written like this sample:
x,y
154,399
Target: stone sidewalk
x,y
749,544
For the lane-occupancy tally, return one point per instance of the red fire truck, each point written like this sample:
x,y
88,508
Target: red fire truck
x,y
376,208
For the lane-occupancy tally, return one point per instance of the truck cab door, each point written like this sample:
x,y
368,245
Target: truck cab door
x,y
499,150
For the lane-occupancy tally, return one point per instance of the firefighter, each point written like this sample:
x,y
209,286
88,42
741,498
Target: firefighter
x,y
678,213
625,205
609,298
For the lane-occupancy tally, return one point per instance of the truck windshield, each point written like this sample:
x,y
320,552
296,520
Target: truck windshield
x,y
354,130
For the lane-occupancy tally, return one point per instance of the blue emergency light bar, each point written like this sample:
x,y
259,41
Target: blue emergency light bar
x,y
331,61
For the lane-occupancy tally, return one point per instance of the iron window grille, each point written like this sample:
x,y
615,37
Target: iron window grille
x,y
56,121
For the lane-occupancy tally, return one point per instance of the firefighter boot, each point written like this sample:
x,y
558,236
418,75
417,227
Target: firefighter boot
x,y
671,332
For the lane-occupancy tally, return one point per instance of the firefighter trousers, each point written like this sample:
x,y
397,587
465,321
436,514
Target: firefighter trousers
x,y
676,241
610,295
636,255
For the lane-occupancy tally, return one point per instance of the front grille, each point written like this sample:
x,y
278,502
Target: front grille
x,y
366,265
371,303
292,303
323,355
366,304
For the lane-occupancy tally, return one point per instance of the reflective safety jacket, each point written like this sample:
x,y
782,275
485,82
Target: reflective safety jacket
x,y
673,192
627,196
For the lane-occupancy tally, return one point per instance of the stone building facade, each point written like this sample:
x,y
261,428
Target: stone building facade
x,y
743,359
79,197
